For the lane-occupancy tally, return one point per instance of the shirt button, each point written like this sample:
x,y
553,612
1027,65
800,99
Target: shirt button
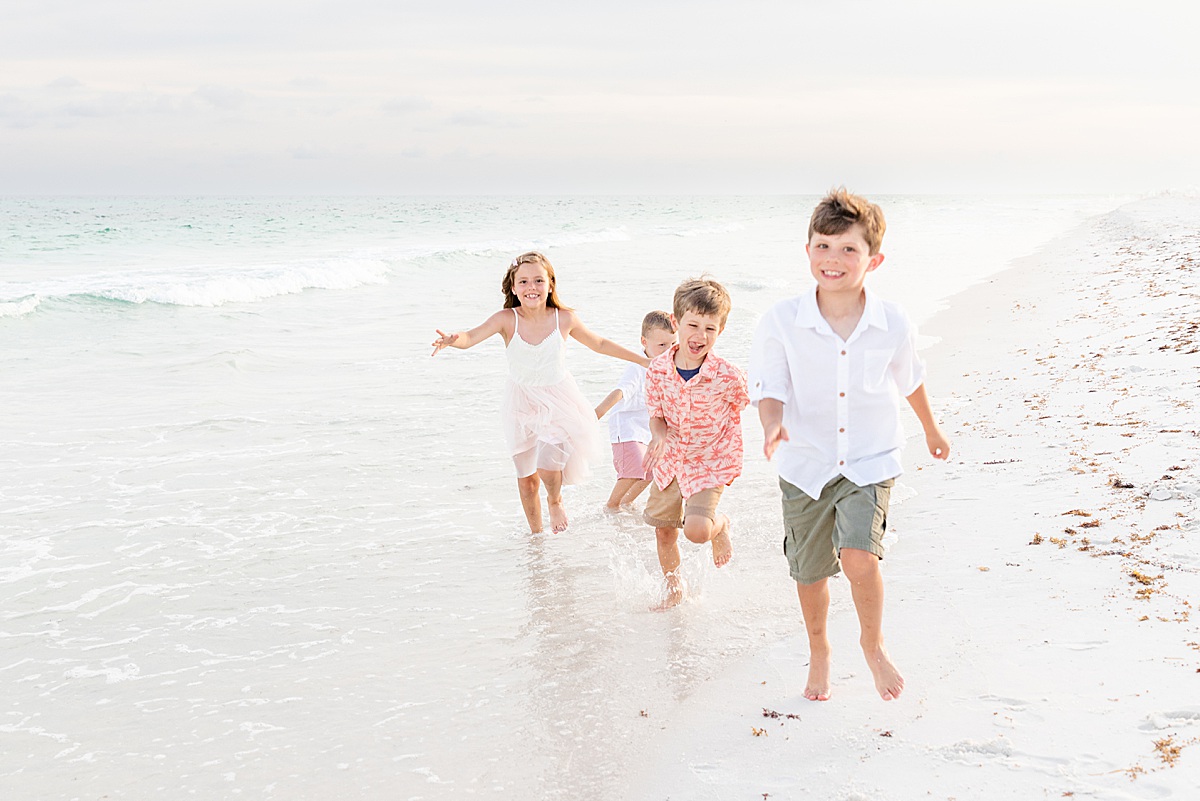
x,y
840,464
843,353
841,394
841,431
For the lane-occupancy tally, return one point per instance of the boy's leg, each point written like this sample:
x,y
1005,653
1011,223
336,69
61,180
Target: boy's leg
x,y
866,587
527,486
814,605
808,545
667,543
861,522
703,523
553,480
618,493
635,489
631,476
664,510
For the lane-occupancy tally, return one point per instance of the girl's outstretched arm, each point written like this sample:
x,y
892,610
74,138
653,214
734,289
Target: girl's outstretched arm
x,y
498,323
610,400
605,347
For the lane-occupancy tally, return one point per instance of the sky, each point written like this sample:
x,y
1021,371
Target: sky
x,y
619,97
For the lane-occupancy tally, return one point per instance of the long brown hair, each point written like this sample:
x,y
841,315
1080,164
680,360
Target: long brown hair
x,y
532,257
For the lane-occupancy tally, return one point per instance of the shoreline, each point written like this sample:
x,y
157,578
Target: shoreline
x,y
1038,594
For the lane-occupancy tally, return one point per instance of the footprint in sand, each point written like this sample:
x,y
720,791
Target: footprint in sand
x,y
1157,721
713,774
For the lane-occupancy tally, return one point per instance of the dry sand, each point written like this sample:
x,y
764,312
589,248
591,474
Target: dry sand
x,y
1042,591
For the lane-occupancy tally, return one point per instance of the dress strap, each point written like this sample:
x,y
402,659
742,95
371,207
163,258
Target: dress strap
x,y
556,330
516,322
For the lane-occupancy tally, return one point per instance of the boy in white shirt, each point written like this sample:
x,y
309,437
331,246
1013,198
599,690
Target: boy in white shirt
x,y
629,425
827,371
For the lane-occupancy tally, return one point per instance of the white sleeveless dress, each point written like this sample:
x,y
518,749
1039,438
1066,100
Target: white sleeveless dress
x,y
548,424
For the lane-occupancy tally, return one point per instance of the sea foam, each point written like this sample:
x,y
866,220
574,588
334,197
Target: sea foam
x,y
205,286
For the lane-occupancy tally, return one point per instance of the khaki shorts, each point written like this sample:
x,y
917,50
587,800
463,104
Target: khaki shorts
x,y
845,516
668,509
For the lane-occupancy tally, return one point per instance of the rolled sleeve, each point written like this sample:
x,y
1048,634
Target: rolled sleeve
x,y
769,372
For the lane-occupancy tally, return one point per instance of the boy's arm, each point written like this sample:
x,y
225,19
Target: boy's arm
x,y
610,400
739,391
770,414
935,440
658,443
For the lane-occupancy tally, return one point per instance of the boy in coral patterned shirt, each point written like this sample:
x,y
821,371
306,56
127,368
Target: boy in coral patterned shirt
x,y
695,401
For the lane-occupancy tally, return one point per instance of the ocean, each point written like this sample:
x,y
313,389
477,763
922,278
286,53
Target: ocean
x,y
256,543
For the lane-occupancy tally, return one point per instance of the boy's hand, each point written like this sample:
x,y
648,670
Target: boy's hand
x,y
654,452
939,446
772,436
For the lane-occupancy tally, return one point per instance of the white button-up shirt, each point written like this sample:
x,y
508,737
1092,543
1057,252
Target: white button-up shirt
x,y
841,399
629,421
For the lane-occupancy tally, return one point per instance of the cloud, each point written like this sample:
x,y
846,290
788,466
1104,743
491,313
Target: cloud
x,y
406,105
308,151
64,82
222,97
307,82
473,118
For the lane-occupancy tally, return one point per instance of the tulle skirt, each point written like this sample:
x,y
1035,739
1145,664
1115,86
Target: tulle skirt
x,y
550,428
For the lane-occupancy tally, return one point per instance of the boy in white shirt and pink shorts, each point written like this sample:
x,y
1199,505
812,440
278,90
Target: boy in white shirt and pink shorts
x,y
629,424
827,371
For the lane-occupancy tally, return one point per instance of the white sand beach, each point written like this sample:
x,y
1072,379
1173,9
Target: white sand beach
x,y
1042,590
221,578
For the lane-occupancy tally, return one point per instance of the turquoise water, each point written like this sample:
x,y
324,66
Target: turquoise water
x,y
255,541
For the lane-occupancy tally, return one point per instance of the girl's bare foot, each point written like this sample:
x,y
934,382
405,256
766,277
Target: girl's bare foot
x,y
721,545
888,680
558,517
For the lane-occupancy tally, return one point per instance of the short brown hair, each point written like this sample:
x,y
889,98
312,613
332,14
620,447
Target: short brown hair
x,y
839,210
657,319
702,296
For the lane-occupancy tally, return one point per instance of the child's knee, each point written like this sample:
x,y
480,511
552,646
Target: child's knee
x,y
698,528
858,564
666,536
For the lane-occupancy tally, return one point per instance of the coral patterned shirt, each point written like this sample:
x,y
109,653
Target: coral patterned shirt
x,y
704,422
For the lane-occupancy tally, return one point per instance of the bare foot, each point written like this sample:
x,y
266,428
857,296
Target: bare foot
x,y
817,688
722,547
888,680
558,517
676,591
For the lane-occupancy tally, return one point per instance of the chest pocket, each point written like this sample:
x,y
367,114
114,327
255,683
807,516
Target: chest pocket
x,y
875,369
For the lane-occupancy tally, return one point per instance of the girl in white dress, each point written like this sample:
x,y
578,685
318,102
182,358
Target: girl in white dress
x,y
548,425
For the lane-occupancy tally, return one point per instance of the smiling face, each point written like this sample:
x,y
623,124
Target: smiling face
x,y
697,335
531,285
840,262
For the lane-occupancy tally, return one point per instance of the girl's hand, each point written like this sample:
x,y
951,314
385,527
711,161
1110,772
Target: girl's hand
x,y
444,340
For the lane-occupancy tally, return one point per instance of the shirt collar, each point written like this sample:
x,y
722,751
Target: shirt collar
x,y
808,314
708,367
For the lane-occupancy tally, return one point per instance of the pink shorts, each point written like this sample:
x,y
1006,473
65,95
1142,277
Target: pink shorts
x,y
627,459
